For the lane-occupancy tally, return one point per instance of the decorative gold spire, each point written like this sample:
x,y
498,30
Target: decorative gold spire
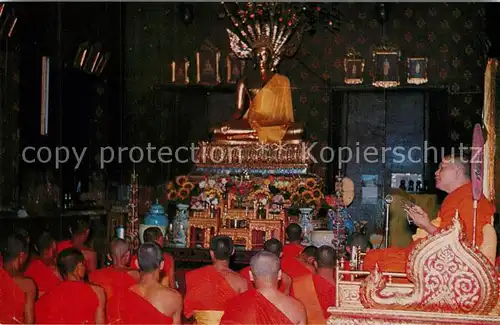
x,y
274,25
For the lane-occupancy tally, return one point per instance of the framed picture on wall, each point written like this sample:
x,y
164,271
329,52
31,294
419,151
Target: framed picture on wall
x,y
234,68
386,67
354,68
180,71
207,67
417,71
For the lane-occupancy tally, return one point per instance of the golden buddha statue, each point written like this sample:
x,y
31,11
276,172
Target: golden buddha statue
x,y
264,109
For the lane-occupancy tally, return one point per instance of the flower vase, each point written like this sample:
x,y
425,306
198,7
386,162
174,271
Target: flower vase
x,y
305,223
180,225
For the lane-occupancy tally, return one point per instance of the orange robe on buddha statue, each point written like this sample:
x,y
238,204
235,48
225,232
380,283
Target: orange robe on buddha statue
x,y
394,259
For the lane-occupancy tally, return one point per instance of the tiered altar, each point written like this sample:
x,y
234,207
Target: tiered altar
x,y
255,169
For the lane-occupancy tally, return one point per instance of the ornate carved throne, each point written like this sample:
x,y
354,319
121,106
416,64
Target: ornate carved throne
x,y
452,282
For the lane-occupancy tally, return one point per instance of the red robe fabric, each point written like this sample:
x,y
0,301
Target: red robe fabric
x,y
293,267
127,307
206,289
44,276
316,294
394,259
12,300
245,274
167,265
62,245
292,250
71,302
112,280
251,307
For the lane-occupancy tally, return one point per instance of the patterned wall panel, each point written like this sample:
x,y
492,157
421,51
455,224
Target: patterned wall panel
x,y
9,129
445,33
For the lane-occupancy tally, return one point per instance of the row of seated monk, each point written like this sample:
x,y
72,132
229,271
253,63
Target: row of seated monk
x,y
284,284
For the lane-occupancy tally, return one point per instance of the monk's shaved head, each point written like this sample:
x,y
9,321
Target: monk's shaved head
x,y
326,257
222,247
265,265
294,232
119,248
13,247
68,260
273,246
310,251
149,257
461,160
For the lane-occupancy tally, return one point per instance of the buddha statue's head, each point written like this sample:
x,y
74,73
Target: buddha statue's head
x,y
263,55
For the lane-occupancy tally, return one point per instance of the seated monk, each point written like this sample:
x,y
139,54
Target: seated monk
x,y
119,276
79,235
265,304
273,246
294,236
317,291
43,269
147,302
301,265
154,235
17,293
210,287
72,301
453,177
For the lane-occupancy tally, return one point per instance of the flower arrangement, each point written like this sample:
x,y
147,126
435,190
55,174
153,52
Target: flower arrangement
x,y
308,194
213,190
180,190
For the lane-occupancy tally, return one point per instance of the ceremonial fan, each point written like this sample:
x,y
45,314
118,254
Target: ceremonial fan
x,y
476,172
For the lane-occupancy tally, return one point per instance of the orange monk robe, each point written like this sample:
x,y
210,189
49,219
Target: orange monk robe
x,y
44,276
62,245
394,259
112,280
127,307
12,300
206,289
251,307
317,295
294,268
292,250
71,302
245,273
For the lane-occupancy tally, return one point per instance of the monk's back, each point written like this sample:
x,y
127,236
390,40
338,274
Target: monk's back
x,y
289,306
12,299
71,302
112,279
235,280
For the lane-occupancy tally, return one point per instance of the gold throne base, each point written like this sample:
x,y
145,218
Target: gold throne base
x,y
449,282
239,157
